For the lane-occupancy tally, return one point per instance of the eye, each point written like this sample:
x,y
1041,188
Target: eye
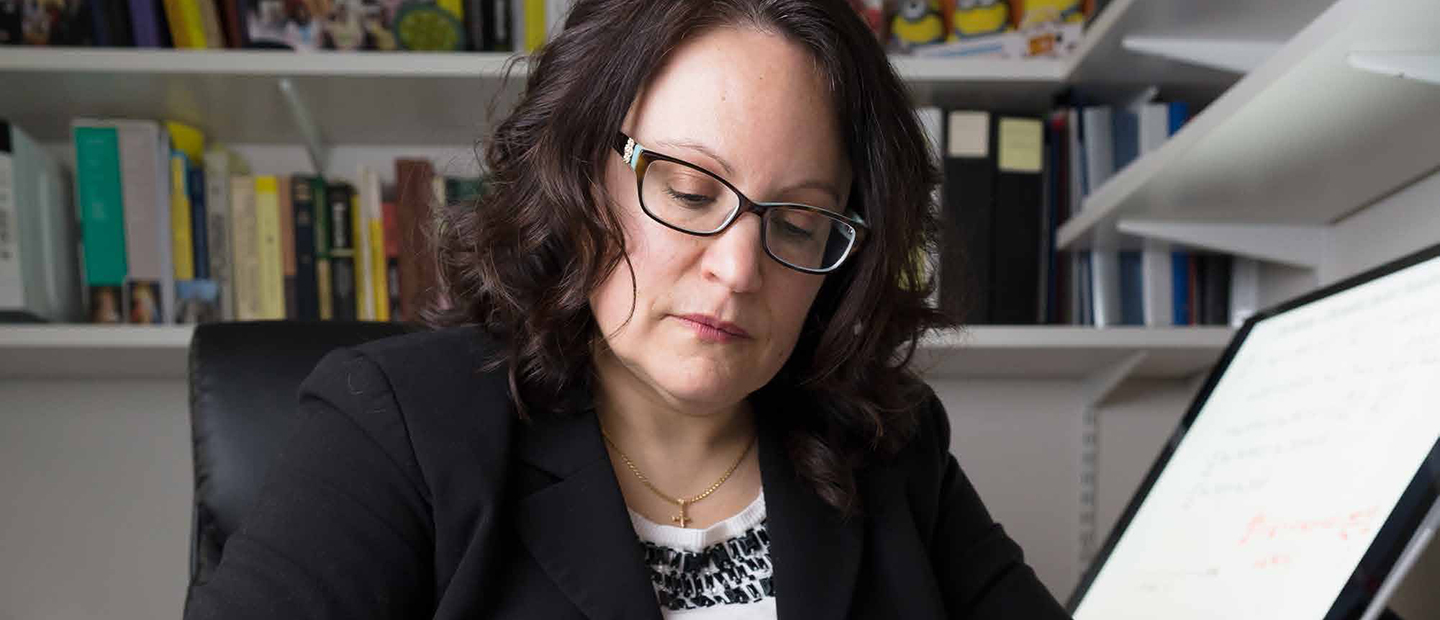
x,y
688,200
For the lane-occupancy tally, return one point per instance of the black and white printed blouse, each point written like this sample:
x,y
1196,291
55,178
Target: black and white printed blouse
x,y
722,572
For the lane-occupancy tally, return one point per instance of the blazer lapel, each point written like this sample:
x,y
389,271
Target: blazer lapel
x,y
577,528
815,554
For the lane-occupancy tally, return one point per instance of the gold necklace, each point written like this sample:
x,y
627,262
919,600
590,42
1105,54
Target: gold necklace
x,y
681,519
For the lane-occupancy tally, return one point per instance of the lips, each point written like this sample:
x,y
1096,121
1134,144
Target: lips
x,y
716,323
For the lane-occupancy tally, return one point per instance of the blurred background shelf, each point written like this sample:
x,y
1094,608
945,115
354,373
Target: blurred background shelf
x,y
94,351
1053,352
1303,141
1021,352
234,94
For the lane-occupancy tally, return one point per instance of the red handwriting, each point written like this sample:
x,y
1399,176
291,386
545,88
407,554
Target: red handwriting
x,y
1344,526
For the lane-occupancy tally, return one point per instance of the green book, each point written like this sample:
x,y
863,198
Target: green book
x,y
102,211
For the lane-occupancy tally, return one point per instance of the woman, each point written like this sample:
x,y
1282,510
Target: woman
x,y
658,395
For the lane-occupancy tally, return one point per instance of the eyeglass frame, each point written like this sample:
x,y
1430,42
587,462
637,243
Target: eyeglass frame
x,y
639,158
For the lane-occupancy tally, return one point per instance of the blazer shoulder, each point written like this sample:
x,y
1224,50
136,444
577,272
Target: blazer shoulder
x,y
455,413
442,367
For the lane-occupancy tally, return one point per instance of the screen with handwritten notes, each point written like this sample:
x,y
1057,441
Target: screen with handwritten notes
x,y
1292,464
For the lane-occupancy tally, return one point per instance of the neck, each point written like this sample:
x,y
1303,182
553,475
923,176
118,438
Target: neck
x,y
678,445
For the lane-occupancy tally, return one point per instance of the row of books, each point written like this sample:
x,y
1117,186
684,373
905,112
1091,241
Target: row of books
x,y
387,25
1010,181
979,28
171,231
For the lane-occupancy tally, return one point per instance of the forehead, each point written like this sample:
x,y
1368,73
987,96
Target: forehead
x,y
757,99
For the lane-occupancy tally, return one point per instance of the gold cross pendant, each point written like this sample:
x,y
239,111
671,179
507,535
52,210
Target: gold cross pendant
x,y
681,519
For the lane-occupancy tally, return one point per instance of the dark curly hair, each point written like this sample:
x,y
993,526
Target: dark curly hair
x,y
521,260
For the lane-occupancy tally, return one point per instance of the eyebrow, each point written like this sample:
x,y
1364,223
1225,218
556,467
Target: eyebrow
x,y
816,184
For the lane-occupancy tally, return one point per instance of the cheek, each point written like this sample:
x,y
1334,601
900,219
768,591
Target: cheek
x,y
791,299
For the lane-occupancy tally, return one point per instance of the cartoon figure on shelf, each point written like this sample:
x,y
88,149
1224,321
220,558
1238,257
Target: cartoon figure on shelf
x,y
1052,12
918,22
977,18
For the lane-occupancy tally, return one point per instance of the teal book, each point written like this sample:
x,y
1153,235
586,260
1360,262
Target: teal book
x,y
102,211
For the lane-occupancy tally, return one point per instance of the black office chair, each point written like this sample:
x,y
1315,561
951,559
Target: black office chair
x,y
243,382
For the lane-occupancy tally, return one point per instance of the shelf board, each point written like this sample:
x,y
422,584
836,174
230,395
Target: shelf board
x,y
1060,352
1104,64
128,352
1305,139
234,96
94,351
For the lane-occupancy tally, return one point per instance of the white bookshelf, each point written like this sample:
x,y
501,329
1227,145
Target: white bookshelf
x,y
1295,137
234,95
1304,140
1022,352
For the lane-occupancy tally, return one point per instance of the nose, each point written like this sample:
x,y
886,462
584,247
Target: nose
x,y
734,259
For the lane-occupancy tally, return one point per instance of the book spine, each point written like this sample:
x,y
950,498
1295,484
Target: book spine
x,y
102,212
182,245
199,219
324,295
932,120
390,222
244,246
184,20
380,292
534,16
342,252
307,304
1244,289
413,181
267,232
1132,303
1159,285
288,262
12,278
148,275
968,195
39,231
232,18
145,23
500,28
367,194
217,229
209,23
1016,243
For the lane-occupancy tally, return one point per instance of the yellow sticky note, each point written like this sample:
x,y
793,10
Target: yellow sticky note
x,y
1022,145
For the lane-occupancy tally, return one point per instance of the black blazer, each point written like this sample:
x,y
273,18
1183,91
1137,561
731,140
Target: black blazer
x,y
409,489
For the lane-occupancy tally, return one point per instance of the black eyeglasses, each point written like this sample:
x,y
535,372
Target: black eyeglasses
x,y
685,197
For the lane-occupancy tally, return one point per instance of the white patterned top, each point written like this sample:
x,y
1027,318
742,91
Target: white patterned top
x,y
722,572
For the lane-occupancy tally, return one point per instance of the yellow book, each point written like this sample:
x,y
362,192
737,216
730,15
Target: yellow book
x,y
534,25
187,28
267,224
182,242
377,270
360,258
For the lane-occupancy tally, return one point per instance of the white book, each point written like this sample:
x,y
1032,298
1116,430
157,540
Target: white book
x,y
220,164
1153,125
145,183
1099,147
1158,274
39,269
1105,287
1099,167
245,249
1158,285
1244,289
555,13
